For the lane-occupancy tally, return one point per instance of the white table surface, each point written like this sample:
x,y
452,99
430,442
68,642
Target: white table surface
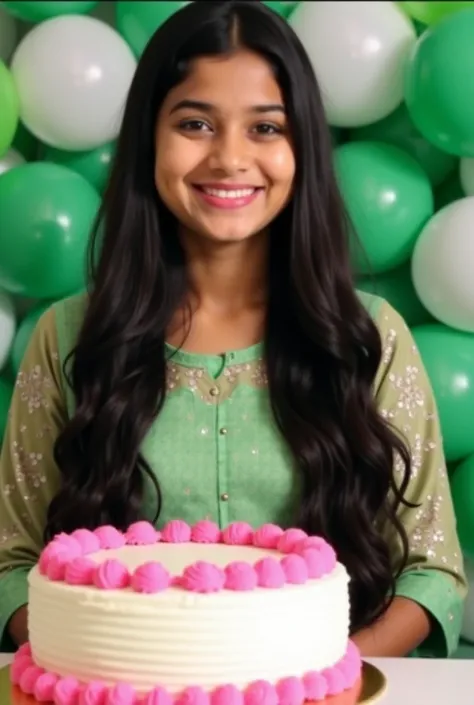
x,y
415,681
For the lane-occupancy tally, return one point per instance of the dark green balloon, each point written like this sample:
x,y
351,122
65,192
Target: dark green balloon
x,y
438,86
93,165
138,21
448,356
389,199
462,488
46,214
37,10
23,335
398,129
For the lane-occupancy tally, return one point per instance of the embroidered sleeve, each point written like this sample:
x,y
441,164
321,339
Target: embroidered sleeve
x,y
29,477
434,574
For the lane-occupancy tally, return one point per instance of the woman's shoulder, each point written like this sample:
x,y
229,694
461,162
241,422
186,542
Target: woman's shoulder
x,y
387,319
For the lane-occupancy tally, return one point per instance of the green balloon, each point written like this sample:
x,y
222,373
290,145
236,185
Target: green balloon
x,y
46,214
37,10
397,288
6,392
23,335
399,130
462,489
448,356
9,108
432,12
93,165
389,199
438,86
138,21
282,8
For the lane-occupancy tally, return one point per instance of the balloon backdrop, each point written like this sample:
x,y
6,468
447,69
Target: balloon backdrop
x,y
93,165
448,356
438,89
443,265
389,199
468,619
37,10
137,21
46,212
397,84
462,485
358,50
9,108
72,74
8,34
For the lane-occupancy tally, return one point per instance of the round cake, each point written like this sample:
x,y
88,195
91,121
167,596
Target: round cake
x,y
190,615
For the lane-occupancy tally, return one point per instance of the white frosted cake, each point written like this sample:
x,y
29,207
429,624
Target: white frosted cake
x,y
192,615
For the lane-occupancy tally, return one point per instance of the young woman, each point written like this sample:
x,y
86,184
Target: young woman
x,y
223,364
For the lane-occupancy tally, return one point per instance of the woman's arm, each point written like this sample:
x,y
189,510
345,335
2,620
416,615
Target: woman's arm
x,y
29,477
427,610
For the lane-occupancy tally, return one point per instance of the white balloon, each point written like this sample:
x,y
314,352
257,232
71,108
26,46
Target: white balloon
x,y
443,265
8,35
10,159
73,74
7,327
359,52
467,631
466,174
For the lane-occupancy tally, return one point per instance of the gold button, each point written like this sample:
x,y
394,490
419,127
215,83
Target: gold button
x,y
214,391
224,497
223,431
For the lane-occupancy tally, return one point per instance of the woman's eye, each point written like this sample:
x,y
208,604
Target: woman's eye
x,y
194,126
268,129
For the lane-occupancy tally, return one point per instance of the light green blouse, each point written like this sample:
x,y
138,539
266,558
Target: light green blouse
x,y
218,454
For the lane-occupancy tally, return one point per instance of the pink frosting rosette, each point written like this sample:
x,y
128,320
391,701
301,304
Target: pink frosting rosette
x,y
205,531
267,536
110,537
203,577
239,533
141,533
290,691
176,531
260,692
87,540
150,578
111,575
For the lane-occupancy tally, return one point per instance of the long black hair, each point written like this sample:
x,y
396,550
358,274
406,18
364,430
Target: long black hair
x,y
322,347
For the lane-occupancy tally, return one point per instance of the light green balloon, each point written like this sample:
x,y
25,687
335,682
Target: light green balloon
x,y
6,392
432,12
389,199
462,488
138,21
9,108
448,356
46,214
23,335
93,165
397,288
37,10
438,85
398,129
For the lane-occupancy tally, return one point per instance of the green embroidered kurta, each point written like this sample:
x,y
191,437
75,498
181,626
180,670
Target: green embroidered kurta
x,y
218,454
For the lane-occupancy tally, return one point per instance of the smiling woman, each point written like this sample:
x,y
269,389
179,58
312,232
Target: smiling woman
x,y
222,364
225,164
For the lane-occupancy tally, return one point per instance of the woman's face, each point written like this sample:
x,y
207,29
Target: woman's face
x,y
224,161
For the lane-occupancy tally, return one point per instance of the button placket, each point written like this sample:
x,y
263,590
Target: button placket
x,y
222,463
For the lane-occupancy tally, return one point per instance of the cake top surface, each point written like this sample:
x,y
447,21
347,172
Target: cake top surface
x,y
199,558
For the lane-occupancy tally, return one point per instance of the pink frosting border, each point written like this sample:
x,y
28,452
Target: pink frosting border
x,y
298,558
313,686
